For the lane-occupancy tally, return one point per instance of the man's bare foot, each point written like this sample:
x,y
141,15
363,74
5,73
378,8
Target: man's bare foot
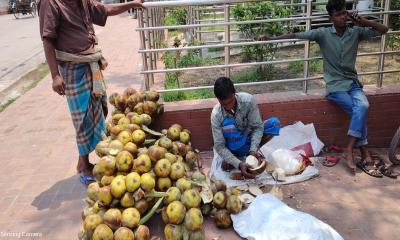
x,y
350,160
84,167
227,167
365,156
265,139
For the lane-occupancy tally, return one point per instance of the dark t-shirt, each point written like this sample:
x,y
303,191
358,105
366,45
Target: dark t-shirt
x,y
70,23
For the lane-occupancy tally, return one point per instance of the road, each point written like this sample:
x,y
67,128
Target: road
x,y
21,48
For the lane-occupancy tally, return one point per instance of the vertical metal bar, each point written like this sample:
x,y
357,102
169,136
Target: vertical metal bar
x,y
198,17
148,46
307,47
153,37
381,64
143,46
197,21
227,40
194,30
215,15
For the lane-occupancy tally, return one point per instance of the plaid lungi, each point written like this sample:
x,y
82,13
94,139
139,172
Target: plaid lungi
x,y
87,110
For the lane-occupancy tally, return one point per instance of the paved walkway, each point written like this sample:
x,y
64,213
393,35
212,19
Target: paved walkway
x,y
40,191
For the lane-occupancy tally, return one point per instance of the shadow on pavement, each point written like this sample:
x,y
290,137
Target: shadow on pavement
x,y
54,197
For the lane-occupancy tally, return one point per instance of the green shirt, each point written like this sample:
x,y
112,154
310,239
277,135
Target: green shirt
x,y
339,53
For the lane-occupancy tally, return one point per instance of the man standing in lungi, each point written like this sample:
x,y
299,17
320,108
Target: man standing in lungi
x,y
75,62
237,127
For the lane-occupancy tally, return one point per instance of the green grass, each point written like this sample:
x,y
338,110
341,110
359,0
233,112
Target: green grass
x,y
3,106
171,83
213,28
211,16
172,79
27,82
314,66
173,33
216,49
253,74
39,73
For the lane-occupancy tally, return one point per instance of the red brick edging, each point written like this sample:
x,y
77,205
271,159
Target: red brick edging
x,y
330,122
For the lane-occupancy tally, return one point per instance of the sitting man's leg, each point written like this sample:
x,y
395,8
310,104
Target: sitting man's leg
x,y
354,103
271,128
345,102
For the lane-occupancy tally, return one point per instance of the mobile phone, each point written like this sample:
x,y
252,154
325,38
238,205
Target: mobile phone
x,y
350,15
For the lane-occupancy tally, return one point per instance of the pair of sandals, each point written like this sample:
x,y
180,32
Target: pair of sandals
x,y
331,160
377,170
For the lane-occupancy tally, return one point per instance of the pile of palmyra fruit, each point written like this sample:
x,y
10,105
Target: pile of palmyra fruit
x,y
142,172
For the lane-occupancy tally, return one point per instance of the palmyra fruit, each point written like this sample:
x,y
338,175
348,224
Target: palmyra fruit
x,y
103,232
173,194
124,161
162,168
124,233
173,232
177,170
219,200
91,222
112,218
142,233
132,182
191,198
222,219
142,163
164,183
118,187
130,217
147,182
233,204
194,219
176,212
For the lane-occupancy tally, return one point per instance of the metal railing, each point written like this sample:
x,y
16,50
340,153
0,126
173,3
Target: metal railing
x,y
152,32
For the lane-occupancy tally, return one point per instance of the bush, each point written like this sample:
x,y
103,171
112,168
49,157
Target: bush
x,y
394,19
178,60
261,10
176,16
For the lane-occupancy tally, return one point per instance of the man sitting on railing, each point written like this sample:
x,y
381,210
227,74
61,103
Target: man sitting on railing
x,y
75,63
237,127
339,45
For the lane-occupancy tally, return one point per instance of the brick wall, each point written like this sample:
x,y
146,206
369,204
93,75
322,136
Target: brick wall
x,y
330,121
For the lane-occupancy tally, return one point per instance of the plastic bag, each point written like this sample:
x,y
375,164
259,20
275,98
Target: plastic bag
x,y
291,162
271,219
297,137
217,173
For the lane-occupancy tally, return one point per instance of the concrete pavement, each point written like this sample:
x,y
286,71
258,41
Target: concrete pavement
x,y
41,193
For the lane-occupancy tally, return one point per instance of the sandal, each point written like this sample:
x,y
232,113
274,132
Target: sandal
x,y
369,169
332,149
330,161
86,180
388,172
